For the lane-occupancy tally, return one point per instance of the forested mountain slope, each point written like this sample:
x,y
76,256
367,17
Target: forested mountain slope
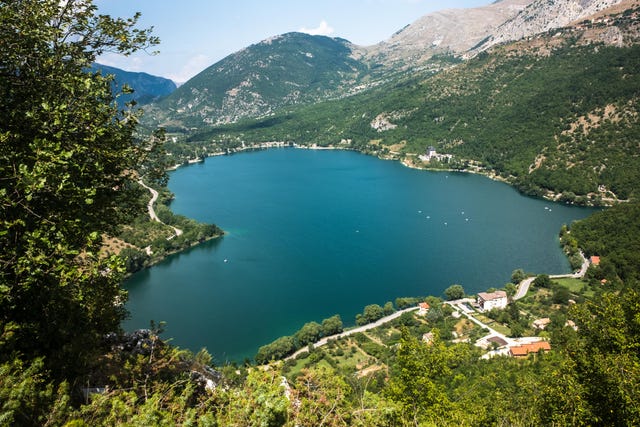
x,y
555,113
284,70
146,88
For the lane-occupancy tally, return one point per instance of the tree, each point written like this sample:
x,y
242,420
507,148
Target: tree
x,y
388,308
510,289
67,162
518,276
543,281
371,313
332,326
604,363
414,382
454,292
278,349
309,333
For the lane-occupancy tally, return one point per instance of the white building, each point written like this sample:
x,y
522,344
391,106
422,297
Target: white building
x,y
489,301
431,154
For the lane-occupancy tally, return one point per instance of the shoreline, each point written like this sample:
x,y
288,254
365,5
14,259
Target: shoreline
x,y
488,173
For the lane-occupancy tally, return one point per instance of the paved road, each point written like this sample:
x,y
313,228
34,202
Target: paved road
x,y
523,287
363,328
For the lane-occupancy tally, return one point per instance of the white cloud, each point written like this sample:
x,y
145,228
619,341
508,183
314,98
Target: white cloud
x,y
322,30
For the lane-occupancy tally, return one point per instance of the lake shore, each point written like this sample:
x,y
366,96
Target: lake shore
x,y
406,159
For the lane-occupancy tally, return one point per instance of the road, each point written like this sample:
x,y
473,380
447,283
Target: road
x,y
523,287
362,328
152,212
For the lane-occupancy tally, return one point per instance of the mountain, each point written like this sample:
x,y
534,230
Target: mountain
x,y
147,88
555,114
296,69
451,31
289,69
540,16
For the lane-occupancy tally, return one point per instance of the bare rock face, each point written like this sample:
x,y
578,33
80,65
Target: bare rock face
x,y
544,15
466,32
451,31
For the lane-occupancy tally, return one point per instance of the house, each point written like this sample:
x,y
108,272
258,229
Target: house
x,y
428,337
431,154
522,351
491,300
541,323
595,260
423,308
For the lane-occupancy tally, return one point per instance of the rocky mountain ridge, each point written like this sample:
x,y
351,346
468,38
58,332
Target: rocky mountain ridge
x,y
541,16
450,31
296,69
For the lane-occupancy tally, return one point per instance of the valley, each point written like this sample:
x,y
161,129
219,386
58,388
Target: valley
x,y
407,266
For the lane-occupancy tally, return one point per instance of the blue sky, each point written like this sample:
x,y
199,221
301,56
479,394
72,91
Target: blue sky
x,y
197,33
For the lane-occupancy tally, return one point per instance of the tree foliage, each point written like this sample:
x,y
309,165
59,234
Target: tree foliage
x,y
454,292
67,161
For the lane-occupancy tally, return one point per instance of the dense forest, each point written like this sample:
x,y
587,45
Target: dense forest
x,y
70,164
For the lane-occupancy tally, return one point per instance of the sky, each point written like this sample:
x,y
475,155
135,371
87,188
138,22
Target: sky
x,y
195,34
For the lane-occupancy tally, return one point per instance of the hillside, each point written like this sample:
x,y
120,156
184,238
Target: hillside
x,y
146,88
553,114
296,69
285,70
449,31
541,16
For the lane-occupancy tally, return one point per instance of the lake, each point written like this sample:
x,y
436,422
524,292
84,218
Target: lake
x,y
313,233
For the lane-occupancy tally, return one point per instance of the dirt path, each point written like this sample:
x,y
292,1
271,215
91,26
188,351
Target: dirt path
x,y
152,212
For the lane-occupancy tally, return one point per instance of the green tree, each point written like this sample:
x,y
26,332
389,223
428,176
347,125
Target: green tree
x,y
67,162
371,313
332,326
309,333
518,276
278,349
543,281
510,289
388,308
454,292
604,360
414,382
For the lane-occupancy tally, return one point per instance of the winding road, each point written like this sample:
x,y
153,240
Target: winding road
x,y
362,328
152,212
523,287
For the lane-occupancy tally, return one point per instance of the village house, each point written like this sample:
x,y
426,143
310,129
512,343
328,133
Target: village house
x,y
490,300
423,308
431,154
523,351
595,260
428,337
541,323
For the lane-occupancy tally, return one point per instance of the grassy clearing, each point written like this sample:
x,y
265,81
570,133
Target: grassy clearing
x,y
576,286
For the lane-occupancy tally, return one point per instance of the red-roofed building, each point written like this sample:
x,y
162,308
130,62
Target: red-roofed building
x,y
595,260
423,308
524,350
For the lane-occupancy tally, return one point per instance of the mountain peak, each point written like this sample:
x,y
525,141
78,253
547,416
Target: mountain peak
x,y
286,69
544,15
447,31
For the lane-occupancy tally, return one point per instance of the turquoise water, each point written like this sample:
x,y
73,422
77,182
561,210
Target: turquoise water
x,y
315,233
